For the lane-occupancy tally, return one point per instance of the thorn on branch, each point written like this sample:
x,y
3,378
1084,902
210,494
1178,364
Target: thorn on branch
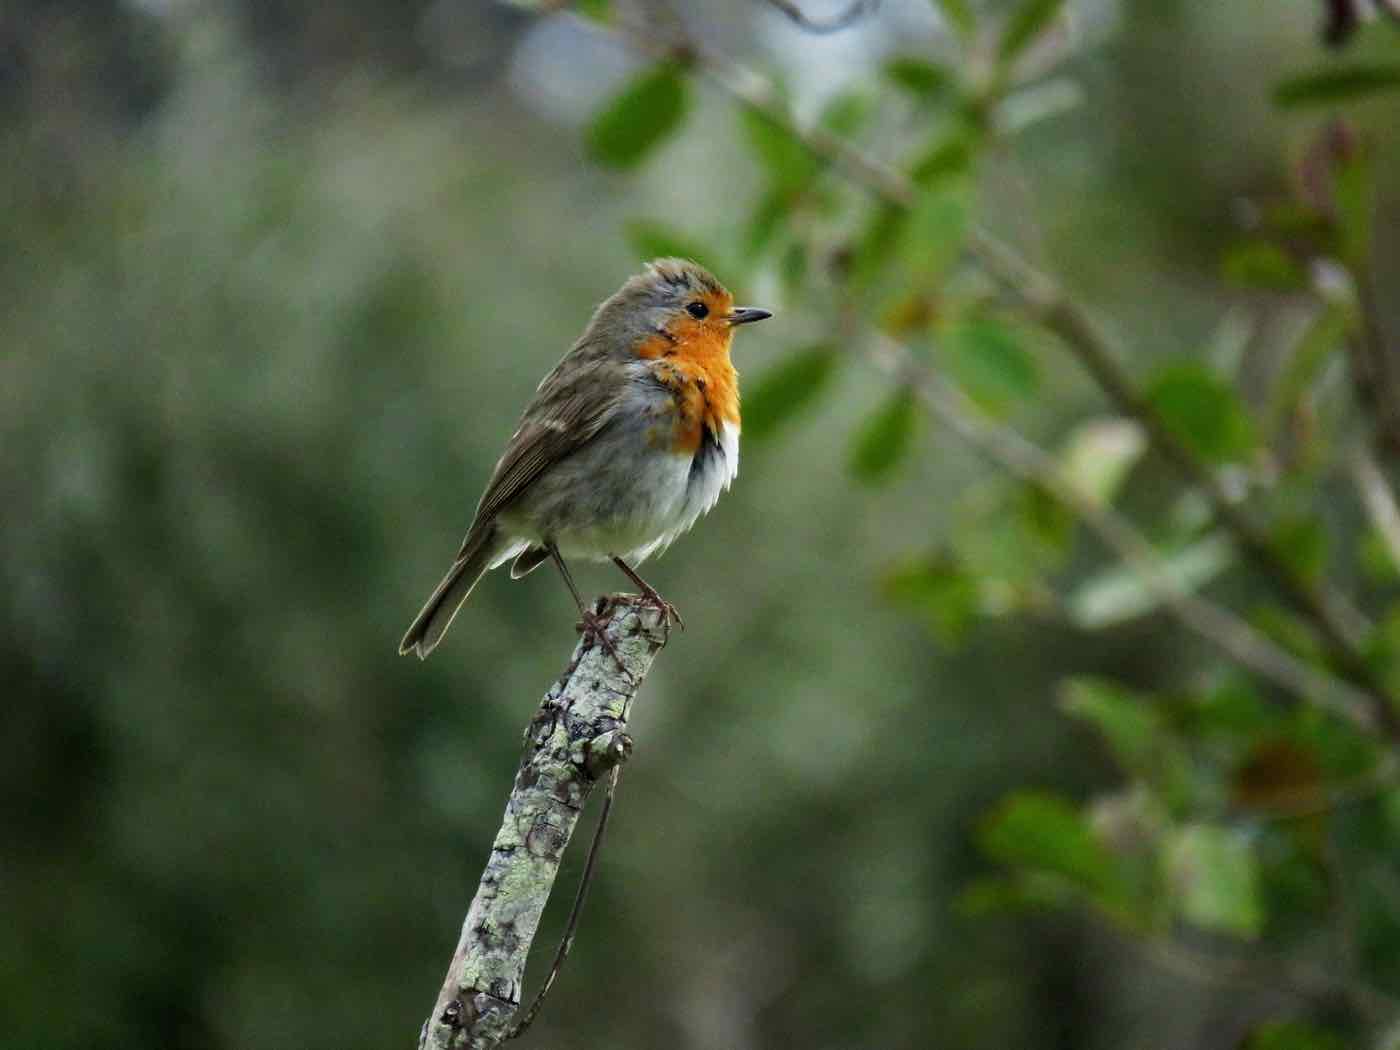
x,y
835,24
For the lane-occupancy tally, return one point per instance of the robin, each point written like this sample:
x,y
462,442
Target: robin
x,y
631,437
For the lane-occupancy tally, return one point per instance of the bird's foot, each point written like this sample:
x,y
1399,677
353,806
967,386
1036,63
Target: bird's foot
x,y
669,613
594,629
650,596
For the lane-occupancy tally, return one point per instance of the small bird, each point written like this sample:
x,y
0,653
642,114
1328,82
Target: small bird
x,y
632,436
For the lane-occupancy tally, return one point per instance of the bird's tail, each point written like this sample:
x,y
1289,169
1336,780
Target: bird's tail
x,y
437,615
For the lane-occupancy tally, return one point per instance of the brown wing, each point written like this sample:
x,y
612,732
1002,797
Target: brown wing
x,y
564,415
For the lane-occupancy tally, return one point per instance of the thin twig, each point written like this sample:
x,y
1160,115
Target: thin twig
x,y
566,942
1029,462
833,24
1331,616
1268,973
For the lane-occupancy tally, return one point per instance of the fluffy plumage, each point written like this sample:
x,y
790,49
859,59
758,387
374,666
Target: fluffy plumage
x,y
627,441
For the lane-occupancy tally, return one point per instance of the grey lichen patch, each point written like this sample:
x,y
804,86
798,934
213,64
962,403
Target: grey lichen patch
x,y
577,734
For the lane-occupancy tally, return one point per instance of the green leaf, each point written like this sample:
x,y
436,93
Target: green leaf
x,y
789,164
1289,630
1010,537
1322,339
792,268
987,359
1327,87
959,15
786,389
640,117
1119,594
1232,710
1048,833
1294,219
885,438
876,244
1378,563
1139,736
1047,525
597,10
949,156
846,113
924,80
767,219
1302,542
1263,264
1132,727
934,232
1293,1035
1214,877
1099,454
1202,411
1343,749
656,240
1027,891
1355,190
1026,23
940,592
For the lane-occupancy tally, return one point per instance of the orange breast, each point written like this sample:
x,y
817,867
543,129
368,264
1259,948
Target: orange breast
x,y
703,384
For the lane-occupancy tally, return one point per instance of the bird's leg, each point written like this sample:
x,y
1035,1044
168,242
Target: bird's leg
x,y
591,625
649,594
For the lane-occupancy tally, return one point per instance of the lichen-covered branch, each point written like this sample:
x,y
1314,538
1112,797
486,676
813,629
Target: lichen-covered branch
x,y
577,736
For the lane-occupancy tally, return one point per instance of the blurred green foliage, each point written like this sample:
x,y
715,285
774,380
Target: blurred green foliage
x,y
276,284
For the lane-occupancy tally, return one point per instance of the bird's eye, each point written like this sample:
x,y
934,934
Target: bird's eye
x,y
698,310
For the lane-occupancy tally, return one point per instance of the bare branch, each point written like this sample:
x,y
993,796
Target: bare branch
x,y
833,24
578,734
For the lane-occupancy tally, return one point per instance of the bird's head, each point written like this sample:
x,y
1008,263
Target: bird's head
x,y
674,302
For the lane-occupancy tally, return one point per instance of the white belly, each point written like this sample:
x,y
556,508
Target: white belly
x,y
637,503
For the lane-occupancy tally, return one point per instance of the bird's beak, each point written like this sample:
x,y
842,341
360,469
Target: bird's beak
x,y
747,315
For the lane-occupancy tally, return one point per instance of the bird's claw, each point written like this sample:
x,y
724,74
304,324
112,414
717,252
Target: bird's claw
x,y
668,612
592,627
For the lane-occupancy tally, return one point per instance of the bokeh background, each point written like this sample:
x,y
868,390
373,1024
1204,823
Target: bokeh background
x,y
275,282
